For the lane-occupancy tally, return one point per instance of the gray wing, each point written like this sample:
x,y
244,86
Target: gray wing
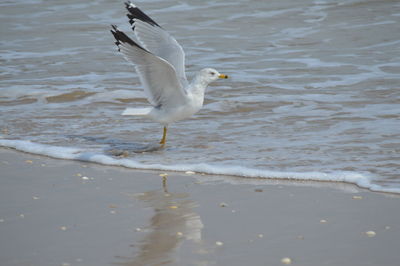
x,y
158,76
156,40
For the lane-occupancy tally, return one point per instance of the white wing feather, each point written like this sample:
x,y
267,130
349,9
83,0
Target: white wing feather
x,y
158,76
156,40
161,43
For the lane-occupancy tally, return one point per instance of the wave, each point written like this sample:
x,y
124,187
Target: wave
x,y
81,154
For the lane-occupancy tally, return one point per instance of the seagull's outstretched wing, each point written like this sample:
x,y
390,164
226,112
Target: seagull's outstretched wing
x,y
156,40
158,76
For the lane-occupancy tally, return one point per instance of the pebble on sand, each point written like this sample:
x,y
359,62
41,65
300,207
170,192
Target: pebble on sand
x,y
223,204
190,172
357,197
63,228
370,233
286,261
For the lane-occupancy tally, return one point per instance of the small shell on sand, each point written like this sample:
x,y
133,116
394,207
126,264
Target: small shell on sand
x,y
138,229
370,233
190,172
323,221
29,161
286,261
63,228
179,234
223,204
260,235
357,197
219,243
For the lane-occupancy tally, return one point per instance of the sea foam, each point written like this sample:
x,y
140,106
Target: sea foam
x,y
81,154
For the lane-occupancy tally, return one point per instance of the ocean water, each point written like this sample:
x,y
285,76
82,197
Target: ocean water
x,y
313,94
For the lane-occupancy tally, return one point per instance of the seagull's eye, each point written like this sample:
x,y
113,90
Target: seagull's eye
x,y
212,73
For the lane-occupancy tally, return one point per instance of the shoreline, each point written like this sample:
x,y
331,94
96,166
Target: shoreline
x,y
64,212
78,154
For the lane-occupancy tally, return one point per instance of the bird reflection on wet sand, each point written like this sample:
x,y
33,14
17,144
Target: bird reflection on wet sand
x,y
173,222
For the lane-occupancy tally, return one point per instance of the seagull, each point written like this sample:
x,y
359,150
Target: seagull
x,y
160,62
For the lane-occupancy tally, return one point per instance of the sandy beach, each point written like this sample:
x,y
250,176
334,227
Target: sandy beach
x,y
312,94
60,212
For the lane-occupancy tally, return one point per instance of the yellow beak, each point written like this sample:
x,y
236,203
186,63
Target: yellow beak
x,y
223,76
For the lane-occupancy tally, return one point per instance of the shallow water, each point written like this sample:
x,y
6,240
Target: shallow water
x,y
313,94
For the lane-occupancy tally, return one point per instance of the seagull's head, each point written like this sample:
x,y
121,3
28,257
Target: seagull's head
x,y
209,75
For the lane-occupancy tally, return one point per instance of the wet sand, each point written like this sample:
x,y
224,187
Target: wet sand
x,y
58,212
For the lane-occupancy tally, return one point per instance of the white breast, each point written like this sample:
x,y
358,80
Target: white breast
x,y
173,114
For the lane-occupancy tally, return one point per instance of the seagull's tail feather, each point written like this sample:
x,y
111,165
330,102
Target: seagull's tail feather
x,y
137,111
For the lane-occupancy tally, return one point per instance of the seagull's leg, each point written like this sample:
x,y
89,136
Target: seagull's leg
x,y
164,137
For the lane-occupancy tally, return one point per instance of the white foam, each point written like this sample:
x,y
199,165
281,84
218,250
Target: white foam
x,y
240,171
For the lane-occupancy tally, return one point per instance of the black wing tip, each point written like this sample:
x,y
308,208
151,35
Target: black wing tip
x,y
131,17
128,3
121,38
136,13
